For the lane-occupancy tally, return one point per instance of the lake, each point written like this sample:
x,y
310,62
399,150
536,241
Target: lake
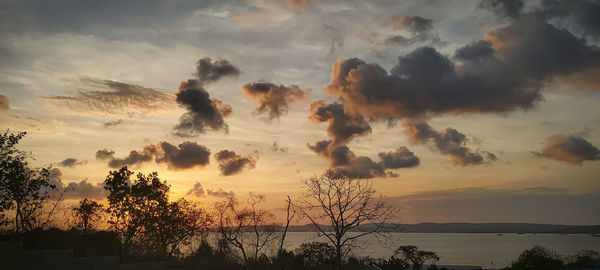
x,y
463,248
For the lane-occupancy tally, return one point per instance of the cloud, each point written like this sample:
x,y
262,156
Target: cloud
x,y
231,163
134,158
4,104
104,154
488,205
342,158
275,147
113,123
198,191
525,55
74,190
203,113
209,71
71,162
115,98
421,30
273,100
187,155
297,6
503,8
449,142
571,149
342,127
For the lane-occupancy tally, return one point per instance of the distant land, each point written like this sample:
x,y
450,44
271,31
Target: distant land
x,y
472,228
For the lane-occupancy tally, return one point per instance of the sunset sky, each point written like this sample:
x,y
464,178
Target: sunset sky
x,y
458,110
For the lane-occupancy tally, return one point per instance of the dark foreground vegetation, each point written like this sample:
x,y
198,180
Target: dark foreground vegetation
x,y
138,223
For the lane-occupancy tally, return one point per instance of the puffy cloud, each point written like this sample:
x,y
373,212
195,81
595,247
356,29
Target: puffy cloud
x,y
197,190
71,162
231,163
342,127
571,149
210,71
219,193
187,155
113,123
273,100
275,147
115,98
74,190
4,104
134,157
525,54
203,113
342,158
449,142
581,15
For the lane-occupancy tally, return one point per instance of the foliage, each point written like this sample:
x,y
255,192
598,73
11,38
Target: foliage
x,y
22,189
344,202
537,258
316,254
86,214
142,214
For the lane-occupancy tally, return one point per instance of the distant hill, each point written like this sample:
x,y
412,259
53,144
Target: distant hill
x,y
474,228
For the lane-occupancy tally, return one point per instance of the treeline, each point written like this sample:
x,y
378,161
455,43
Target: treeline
x,y
138,222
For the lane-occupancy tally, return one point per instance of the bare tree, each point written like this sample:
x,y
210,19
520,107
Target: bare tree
x,y
249,229
290,214
344,203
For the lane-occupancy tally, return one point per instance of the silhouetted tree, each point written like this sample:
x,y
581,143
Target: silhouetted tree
x,y
584,259
414,257
22,188
248,229
86,214
316,255
290,214
344,202
537,258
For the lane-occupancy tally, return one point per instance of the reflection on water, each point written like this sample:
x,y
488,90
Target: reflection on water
x,y
464,248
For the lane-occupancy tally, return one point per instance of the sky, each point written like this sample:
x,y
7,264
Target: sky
x,y
456,110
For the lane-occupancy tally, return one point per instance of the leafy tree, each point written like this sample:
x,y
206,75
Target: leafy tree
x,y
86,214
413,257
22,189
344,202
584,259
316,254
537,258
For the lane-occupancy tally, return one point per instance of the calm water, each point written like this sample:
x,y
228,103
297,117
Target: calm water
x,y
464,248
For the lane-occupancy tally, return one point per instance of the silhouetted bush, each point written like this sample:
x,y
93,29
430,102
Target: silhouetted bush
x,y
537,258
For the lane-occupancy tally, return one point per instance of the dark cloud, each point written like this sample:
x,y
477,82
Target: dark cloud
x,y
342,158
219,193
526,54
104,154
337,39
342,127
273,100
583,15
449,142
115,98
203,113
421,30
113,123
503,8
71,162
275,147
197,190
134,157
4,104
211,71
187,155
571,149
231,163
